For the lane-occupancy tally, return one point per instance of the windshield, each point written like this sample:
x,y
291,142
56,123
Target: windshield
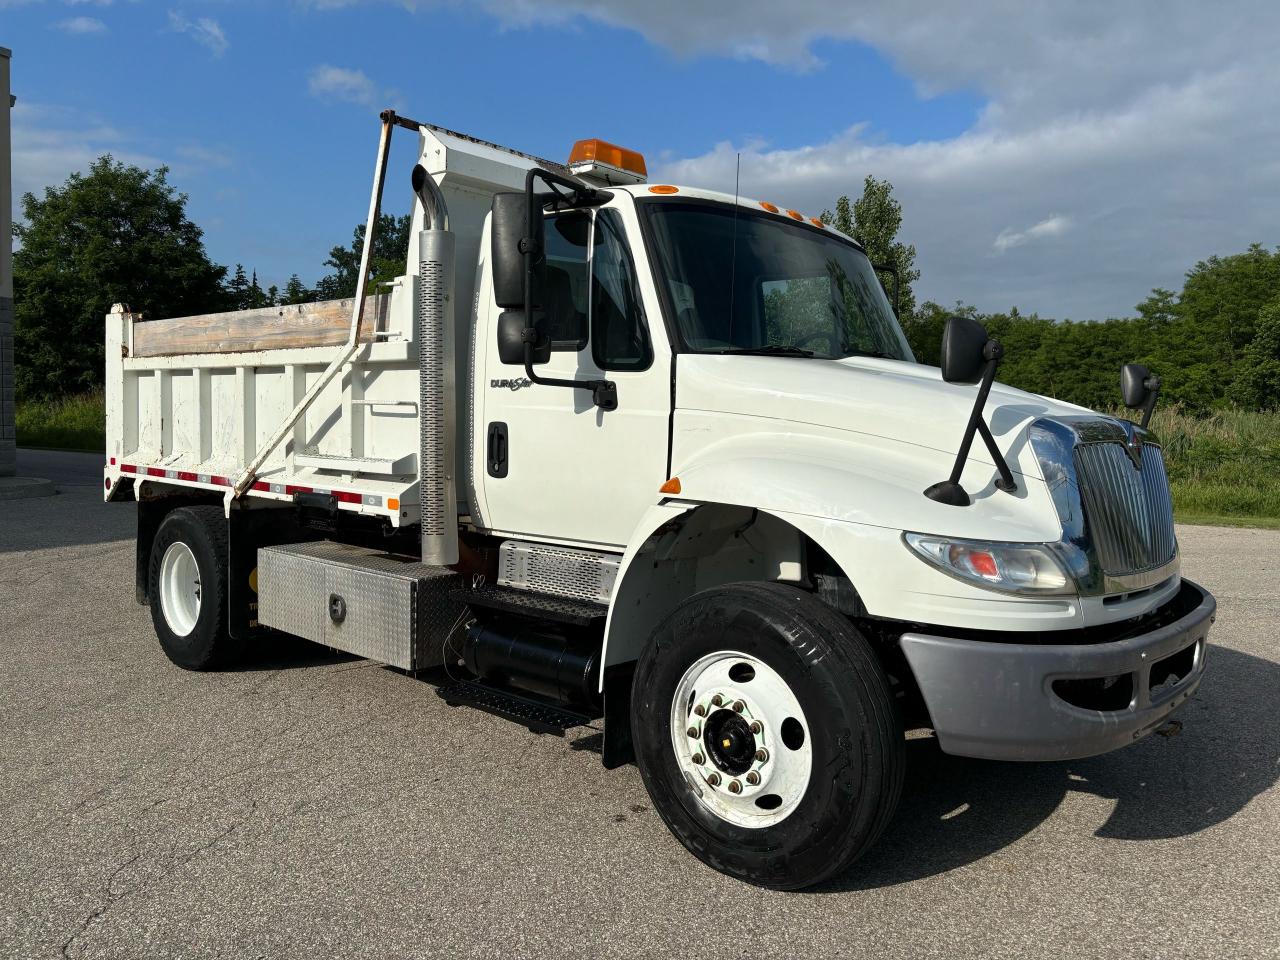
x,y
756,283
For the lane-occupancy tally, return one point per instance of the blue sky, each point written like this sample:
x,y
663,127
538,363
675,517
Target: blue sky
x,y
1028,174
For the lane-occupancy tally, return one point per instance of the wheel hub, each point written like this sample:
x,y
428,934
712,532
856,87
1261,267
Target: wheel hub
x,y
181,592
730,719
729,741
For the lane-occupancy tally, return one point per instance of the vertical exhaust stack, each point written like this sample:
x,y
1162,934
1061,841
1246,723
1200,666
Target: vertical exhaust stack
x,y
433,316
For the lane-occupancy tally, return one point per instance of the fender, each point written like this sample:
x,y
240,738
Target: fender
x,y
854,502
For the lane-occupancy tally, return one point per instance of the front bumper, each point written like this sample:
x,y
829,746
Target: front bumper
x,y
1026,701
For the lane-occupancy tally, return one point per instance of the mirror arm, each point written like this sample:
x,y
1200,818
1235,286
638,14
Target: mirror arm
x,y
1153,394
950,491
1006,481
604,393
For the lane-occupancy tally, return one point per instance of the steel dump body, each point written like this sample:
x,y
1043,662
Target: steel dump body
x,y
194,401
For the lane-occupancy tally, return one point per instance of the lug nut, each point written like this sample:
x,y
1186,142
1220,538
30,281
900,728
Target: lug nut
x,y
698,759
714,779
738,706
757,727
700,710
717,700
753,778
693,732
762,755
735,786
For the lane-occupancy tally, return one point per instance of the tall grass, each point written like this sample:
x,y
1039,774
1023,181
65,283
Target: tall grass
x,y
74,423
1223,468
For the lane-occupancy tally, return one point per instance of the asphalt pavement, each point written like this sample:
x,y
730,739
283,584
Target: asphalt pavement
x,y
316,805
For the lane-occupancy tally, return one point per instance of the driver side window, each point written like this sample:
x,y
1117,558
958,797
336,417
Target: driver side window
x,y
565,288
619,334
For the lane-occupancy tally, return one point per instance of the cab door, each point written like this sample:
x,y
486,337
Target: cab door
x,y
555,466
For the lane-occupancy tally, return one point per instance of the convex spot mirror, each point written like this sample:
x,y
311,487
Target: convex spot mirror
x,y
511,339
1134,378
509,226
964,342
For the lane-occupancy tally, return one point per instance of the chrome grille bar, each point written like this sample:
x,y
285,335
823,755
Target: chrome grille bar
x,y
1129,510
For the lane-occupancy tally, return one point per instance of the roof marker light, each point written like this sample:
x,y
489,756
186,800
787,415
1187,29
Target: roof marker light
x,y
663,188
817,223
795,214
772,208
671,486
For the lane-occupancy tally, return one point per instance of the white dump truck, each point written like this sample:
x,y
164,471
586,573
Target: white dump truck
x,y
660,458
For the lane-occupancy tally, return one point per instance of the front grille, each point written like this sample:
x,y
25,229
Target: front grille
x,y
1129,510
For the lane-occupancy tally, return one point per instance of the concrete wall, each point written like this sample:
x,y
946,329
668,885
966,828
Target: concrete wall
x,y
7,443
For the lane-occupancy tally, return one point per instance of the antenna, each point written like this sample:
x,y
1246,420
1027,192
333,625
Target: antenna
x,y
733,264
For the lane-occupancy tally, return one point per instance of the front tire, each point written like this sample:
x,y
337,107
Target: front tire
x,y
766,734
187,589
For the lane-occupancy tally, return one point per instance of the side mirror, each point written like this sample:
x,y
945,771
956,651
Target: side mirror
x,y
970,356
511,340
508,231
1140,390
964,350
1133,385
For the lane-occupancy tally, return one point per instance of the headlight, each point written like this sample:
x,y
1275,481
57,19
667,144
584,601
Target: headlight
x,y
1011,567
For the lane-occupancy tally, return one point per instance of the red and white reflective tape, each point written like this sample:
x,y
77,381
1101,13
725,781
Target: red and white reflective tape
x,y
262,486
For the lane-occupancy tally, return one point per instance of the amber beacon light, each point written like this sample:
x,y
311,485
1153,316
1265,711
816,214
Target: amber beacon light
x,y
607,162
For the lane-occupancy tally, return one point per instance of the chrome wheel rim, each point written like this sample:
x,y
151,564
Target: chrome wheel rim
x,y
180,590
741,739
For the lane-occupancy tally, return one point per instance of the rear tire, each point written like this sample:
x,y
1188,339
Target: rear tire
x,y
796,769
187,589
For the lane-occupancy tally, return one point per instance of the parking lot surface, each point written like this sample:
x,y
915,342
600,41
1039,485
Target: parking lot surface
x,y
312,804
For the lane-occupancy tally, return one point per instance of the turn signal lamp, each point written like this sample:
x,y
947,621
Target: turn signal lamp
x,y
607,162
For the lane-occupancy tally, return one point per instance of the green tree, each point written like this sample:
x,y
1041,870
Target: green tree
x,y
238,289
256,298
296,292
117,234
1258,383
874,220
1214,321
390,253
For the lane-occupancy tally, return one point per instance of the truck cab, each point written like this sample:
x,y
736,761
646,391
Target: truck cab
x,y
662,457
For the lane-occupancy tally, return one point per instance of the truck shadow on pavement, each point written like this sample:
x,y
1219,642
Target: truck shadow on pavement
x,y
957,811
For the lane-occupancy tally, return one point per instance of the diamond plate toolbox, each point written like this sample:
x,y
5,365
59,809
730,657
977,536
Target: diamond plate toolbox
x,y
372,604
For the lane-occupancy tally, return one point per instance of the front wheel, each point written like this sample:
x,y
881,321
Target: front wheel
x,y
766,734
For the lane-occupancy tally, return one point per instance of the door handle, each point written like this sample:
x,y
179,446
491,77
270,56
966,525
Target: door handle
x,y
496,454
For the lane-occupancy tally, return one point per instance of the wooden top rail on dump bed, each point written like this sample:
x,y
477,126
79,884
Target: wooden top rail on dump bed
x,y
323,324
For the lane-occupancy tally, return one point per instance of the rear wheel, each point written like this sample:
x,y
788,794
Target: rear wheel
x,y
766,735
187,588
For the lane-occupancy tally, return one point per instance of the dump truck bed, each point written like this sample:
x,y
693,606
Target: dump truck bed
x,y
192,400
195,401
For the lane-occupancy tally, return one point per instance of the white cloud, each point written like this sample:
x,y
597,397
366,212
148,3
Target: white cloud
x,y
1147,189
328,82
204,30
1143,126
1051,226
81,25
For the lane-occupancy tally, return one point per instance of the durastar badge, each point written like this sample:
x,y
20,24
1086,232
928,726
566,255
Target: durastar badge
x,y
519,383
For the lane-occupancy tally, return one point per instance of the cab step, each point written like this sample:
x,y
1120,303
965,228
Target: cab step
x,y
539,717
540,606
